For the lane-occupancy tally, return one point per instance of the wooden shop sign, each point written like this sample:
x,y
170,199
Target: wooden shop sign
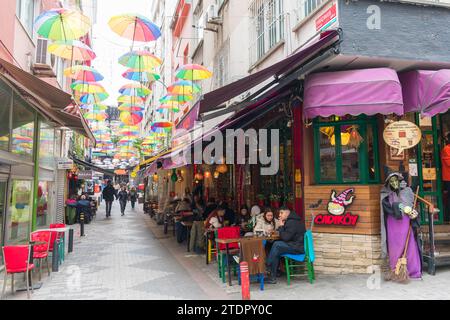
x,y
336,208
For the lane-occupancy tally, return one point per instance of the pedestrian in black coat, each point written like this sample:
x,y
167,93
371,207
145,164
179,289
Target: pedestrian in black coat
x,y
123,196
109,192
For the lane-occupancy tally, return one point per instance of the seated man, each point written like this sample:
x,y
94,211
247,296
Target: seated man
x,y
292,231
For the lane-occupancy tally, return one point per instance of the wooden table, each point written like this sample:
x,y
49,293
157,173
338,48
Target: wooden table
x,y
227,242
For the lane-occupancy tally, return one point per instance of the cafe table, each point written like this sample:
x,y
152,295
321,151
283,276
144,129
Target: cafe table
x,y
227,242
59,230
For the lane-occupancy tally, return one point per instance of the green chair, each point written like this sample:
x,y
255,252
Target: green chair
x,y
295,263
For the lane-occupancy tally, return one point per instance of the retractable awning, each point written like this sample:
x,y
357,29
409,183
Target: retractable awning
x,y
92,167
47,99
426,91
355,92
212,100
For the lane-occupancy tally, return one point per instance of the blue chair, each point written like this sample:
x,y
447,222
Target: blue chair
x,y
293,262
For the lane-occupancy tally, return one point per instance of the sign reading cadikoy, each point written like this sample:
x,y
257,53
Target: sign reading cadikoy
x,y
402,135
336,208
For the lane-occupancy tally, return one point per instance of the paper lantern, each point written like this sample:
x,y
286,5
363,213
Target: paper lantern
x,y
199,176
222,168
155,177
207,174
174,176
216,174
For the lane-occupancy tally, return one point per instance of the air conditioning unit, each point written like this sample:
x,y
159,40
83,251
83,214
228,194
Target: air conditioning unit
x,y
45,63
212,14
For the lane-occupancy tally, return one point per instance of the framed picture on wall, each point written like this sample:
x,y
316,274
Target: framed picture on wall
x,y
394,156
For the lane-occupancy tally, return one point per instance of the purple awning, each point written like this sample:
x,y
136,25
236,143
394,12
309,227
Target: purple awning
x,y
427,92
355,92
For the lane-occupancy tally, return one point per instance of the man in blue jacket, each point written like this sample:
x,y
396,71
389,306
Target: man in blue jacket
x,y
292,231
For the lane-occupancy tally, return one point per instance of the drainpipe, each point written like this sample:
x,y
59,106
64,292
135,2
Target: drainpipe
x,y
36,172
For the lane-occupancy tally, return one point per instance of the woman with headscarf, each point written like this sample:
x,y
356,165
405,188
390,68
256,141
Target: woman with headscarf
x,y
398,216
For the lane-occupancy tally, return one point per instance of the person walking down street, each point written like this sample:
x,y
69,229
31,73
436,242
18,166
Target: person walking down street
x,y
122,196
133,197
109,192
292,231
445,158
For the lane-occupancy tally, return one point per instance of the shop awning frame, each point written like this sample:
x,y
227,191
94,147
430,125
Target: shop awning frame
x,y
91,166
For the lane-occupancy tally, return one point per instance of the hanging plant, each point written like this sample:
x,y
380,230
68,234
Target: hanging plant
x,y
355,138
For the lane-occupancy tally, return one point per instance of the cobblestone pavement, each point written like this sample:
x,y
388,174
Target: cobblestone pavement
x,y
131,258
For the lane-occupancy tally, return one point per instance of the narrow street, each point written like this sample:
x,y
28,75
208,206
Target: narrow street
x,y
130,258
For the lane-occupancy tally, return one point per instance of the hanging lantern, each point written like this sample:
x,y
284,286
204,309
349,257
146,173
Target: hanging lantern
x,y
155,177
199,176
223,168
207,174
216,174
174,176
180,176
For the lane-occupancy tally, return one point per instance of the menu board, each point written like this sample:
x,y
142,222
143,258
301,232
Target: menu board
x,y
402,135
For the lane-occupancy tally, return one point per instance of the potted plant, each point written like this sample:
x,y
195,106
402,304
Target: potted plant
x,y
261,200
274,201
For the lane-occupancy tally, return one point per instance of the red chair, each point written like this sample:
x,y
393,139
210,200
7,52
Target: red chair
x,y
233,248
17,260
41,249
61,241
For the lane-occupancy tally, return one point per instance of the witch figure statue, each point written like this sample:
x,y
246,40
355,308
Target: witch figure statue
x,y
397,217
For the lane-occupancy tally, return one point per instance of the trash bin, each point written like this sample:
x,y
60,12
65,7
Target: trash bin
x,y
71,214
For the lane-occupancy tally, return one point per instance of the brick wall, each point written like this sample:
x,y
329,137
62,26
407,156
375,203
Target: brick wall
x,y
346,253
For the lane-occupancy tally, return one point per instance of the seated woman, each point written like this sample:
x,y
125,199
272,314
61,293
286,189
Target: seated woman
x,y
216,218
266,224
243,220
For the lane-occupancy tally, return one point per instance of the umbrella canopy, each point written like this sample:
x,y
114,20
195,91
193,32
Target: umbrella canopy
x,y
92,98
73,50
141,76
131,99
159,126
83,73
184,87
134,90
95,116
169,106
87,87
182,99
131,118
94,107
193,72
62,24
131,108
140,60
134,27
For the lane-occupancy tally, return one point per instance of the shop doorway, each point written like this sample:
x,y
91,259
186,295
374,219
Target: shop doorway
x,y
428,159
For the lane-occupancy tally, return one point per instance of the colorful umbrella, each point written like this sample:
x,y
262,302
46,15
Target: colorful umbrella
x,y
62,24
184,87
131,118
140,60
72,50
83,73
159,126
182,99
131,108
134,90
87,87
193,72
134,27
92,98
169,106
95,116
131,99
141,76
94,107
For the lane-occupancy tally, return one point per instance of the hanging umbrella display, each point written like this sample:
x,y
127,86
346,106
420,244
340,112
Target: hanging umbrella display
x,y
134,27
73,50
92,98
134,90
62,24
140,60
184,87
193,72
164,126
181,99
141,76
130,107
131,99
169,106
94,107
131,118
87,87
95,116
83,73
